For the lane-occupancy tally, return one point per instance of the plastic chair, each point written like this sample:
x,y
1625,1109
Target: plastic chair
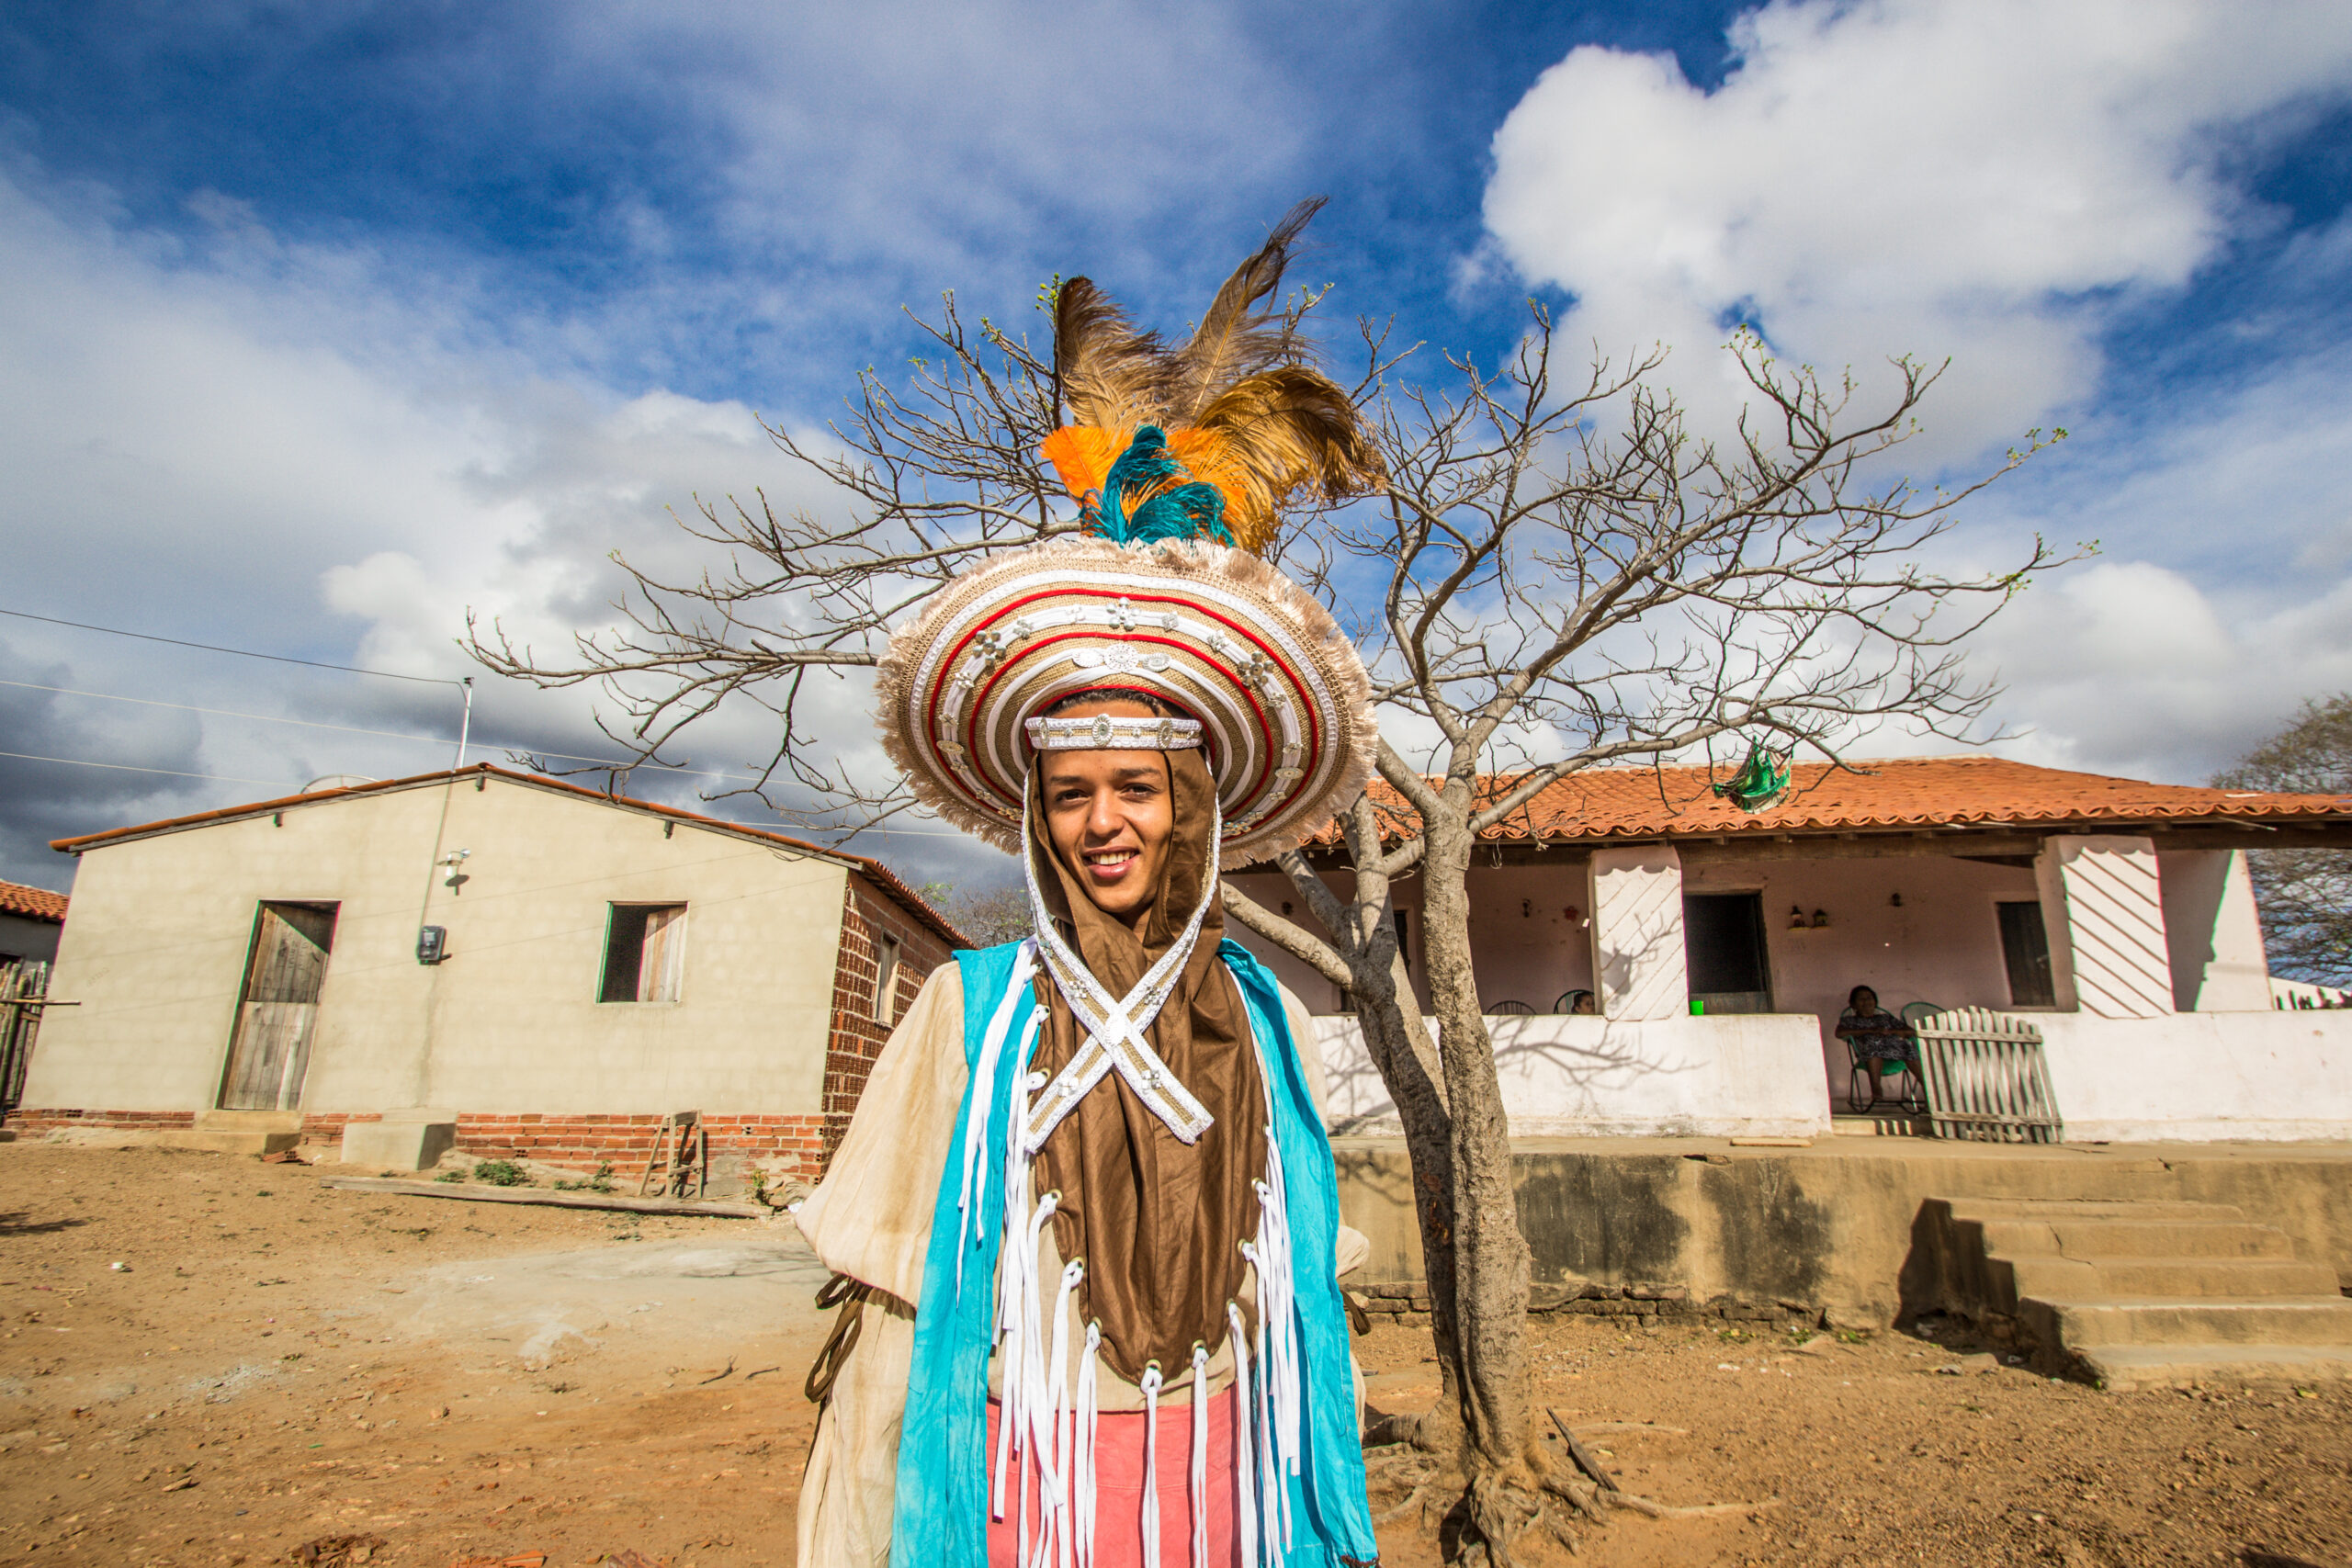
x,y
1867,1081
1510,1010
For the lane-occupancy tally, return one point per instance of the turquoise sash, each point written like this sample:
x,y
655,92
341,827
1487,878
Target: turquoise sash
x,y
942,1512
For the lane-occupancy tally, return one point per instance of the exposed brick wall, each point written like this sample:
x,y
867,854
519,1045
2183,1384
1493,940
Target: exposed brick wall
x,y
45,1120
584,1141
627,1140
857,1036
326,1126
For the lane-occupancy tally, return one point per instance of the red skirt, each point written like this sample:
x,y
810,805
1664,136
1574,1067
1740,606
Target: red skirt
x,y
1119,1490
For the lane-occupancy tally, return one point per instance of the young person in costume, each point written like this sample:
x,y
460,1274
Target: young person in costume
x,y
1084,1220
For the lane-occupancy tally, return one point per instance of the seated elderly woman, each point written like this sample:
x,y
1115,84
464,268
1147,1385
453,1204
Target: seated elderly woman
x,y
1876,1035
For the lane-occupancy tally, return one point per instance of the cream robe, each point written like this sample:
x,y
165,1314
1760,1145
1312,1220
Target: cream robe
x,y
870,1219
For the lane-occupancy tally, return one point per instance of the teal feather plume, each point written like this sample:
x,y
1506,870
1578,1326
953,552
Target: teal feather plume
x,y
1191,511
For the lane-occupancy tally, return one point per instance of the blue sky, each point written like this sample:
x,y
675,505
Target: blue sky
x,y
321,323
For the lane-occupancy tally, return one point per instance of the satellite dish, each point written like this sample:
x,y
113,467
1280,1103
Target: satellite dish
x,y
335,781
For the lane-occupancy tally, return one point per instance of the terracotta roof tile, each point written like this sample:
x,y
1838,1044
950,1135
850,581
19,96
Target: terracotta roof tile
x,y
1905,793
33,903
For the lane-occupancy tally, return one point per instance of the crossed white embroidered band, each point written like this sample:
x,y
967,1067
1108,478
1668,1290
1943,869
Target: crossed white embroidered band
x,y
1115,1027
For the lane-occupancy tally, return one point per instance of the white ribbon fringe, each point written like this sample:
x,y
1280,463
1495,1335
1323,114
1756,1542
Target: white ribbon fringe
x,y
1151,1386
1048,1428
1199,1491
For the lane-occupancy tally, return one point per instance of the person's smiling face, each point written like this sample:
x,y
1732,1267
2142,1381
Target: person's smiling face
x,y
1110,816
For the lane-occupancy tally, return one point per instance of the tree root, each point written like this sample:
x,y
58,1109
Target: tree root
x,y
1414,1499
1395,1460
1579,1497
1559,1530
1583,1460
1501,1511
1644,1506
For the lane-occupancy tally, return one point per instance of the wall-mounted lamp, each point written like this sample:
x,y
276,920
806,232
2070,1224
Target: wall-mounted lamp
x,y
1796,919
1894,900
1821,919
457,879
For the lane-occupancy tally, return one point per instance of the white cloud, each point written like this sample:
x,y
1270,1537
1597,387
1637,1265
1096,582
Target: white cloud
x,y
2128,668
1978,179
312,452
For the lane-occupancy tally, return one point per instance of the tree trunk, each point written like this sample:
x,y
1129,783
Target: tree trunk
x,y
1490,1264
1393,1029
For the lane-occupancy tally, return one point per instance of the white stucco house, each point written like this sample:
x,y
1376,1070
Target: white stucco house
x,y
547,969
1719,946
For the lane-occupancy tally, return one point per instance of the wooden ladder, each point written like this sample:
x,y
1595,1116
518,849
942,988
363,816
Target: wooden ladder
x,y
681,1157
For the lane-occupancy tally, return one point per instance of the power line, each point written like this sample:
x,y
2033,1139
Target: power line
x,y
126,768
663,768
239,652
281,784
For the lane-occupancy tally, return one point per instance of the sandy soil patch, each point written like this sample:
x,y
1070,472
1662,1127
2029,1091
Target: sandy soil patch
x,y
278,1363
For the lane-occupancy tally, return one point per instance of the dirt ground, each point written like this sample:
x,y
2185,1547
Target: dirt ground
x,y
277,1362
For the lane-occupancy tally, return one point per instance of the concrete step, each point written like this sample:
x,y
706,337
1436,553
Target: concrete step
x,y
2174,1238
2082,1325
2092,1239
2202,1278
2122,1368
1884,1125
222,1142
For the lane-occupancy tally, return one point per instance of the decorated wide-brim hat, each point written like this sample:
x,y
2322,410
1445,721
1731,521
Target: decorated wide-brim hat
x,y
1182,460
1282,699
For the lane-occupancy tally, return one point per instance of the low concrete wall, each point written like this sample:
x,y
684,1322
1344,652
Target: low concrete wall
x,y
2183,1077
1828,1227
2195,1076
1754,1075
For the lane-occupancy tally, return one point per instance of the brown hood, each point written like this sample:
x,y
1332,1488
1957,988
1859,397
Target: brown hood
x,y
1158,1223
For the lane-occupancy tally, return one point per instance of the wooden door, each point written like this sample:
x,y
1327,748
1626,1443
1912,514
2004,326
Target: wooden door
x,y
279,1007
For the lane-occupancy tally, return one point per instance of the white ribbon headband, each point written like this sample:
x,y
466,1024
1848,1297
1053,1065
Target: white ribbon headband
x,y
1104,733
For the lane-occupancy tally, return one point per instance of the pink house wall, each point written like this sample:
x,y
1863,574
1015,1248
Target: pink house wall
x,y
1527,948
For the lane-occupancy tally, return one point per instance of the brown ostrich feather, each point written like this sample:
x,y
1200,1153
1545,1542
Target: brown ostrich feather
x,y
1242,407
1270,434
1239,336
1110,374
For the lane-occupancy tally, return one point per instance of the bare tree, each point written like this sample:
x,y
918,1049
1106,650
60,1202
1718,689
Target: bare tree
x,y
931,477
989,915
2305,895
1567,579
1563,579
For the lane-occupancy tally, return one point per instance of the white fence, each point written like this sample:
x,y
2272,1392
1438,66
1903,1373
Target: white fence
x,y
1987,1078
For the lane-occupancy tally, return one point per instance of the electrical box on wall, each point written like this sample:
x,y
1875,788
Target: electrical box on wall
x,y
432,943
